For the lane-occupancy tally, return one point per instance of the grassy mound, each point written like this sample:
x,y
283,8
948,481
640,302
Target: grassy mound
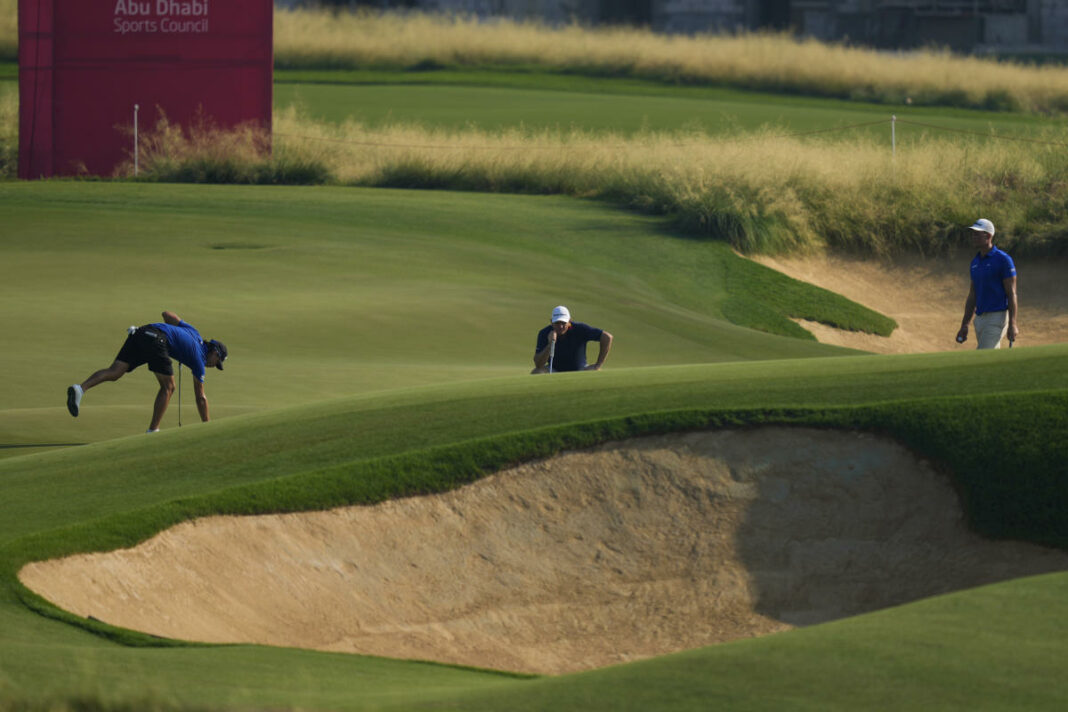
x,y
366,449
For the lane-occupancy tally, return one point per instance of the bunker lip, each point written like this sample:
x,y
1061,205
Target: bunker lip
x,y
925,296
621,552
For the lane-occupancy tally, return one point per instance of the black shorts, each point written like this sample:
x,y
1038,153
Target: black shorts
x,y
147,345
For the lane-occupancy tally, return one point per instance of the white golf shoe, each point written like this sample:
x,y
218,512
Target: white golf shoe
x,y
74,399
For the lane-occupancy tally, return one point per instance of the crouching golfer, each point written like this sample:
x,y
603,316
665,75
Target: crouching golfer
x,y
155,344
561,346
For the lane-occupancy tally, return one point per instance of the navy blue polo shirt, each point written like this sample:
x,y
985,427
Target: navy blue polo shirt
x,y
987,275
570,352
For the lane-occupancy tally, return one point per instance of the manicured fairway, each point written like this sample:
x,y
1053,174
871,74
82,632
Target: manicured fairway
x,y
492,101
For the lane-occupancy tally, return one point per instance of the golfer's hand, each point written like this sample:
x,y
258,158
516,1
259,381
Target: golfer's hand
x,y
962,335
552,335
1014,331
592,367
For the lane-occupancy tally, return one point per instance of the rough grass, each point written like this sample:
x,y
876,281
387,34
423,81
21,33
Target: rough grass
x,y
306,38
9,29
761,192
204,153
768,62
9,134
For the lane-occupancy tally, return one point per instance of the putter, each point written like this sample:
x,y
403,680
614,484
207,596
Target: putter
x,y
552,352
179,394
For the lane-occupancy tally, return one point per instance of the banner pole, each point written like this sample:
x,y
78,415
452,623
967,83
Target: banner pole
x,y
136,147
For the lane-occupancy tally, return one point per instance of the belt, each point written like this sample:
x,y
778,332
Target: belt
x,y
152,333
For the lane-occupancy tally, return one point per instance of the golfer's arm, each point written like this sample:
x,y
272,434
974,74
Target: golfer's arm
x,y
171,318
1010,292
969,308
606,345
202,400
542,357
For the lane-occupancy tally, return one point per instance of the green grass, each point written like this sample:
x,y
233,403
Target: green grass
x,y
379,343
328,292
493,100
81,258
767,176
366,448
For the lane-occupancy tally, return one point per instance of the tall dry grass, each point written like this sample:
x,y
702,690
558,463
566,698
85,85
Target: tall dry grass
x,y
204,153
325,39
9,134
774,62
9,29
763,193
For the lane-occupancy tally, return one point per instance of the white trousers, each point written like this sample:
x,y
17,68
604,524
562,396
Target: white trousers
x,y
990,328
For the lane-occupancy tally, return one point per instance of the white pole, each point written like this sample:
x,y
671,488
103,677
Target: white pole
x,y
136,107
893,135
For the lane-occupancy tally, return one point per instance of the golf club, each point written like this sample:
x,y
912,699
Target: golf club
x,y
552,352
179,394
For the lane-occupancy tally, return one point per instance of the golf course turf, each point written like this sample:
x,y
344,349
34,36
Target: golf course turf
x,y
379,347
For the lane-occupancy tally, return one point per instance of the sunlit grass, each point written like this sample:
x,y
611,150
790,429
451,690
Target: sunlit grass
x,y
9,29
9,134
771,62
763,192
775,62
204,153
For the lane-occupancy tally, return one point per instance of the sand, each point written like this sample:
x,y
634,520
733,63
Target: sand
x,y
622,552
926,298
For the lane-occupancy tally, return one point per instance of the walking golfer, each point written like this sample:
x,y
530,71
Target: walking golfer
x,y
561,346
155,344
992,298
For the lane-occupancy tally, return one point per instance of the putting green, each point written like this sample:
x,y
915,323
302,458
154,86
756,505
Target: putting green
x,y
325,292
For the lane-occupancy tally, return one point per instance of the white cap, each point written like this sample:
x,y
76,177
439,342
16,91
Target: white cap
x,y
561,314
983,225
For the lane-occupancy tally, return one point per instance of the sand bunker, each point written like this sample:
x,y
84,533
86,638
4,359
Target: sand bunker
x,y
591,558
926,298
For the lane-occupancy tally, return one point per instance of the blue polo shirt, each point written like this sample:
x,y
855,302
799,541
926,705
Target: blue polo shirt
x,y
570,352
185,345
987,275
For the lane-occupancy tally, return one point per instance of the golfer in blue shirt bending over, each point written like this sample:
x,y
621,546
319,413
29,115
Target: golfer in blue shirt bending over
x,y
561,346
992,298
155,344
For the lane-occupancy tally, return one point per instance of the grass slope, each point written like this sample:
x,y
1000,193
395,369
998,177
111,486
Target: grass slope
x,y
318,455
325,292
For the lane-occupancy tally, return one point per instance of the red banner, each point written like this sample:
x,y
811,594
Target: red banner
x,y
85,64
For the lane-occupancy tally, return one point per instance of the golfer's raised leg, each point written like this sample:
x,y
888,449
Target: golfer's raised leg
x,y
163,397
112,373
